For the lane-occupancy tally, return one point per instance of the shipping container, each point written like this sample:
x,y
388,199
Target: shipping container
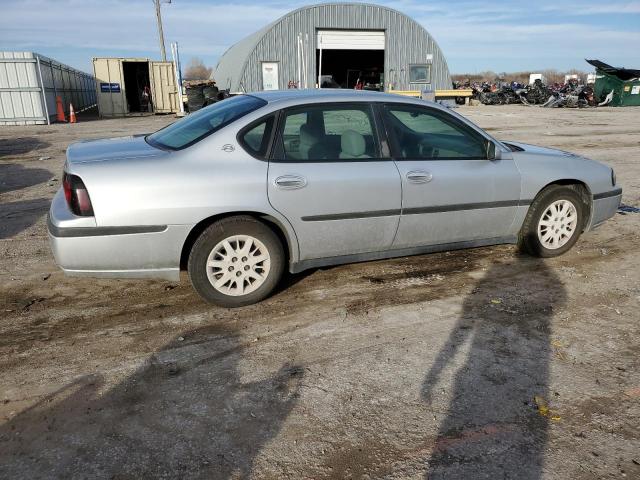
x,y
135,85
30,83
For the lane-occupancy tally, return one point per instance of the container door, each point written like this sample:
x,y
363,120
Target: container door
x,y
164,93
110,87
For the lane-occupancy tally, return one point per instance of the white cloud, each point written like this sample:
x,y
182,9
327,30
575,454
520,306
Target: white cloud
x,y
127,25
493,42
610,8
472,35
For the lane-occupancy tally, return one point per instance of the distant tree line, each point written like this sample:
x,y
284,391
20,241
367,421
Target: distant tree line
x,y
197,70
550,75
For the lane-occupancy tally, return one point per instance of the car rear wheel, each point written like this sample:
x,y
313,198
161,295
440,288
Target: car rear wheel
x,y
554,222
236,261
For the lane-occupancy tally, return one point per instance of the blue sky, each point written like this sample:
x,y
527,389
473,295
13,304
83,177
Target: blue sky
x,y
475,36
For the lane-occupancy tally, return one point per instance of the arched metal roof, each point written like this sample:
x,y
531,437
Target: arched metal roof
x,y
239,67
233,60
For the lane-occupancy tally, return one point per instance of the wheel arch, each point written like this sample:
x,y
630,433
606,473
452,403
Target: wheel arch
x,y
582,189
287,237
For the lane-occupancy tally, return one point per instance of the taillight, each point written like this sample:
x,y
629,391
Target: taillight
x,y
77,195
66,184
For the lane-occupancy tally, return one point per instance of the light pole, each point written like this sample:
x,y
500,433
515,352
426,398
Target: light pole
x,y
160,34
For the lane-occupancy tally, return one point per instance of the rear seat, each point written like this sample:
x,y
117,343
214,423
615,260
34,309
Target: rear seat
x,y
353,145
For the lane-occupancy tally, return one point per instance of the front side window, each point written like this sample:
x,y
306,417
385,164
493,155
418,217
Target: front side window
x,y
420,73
329,133
204,122
427,134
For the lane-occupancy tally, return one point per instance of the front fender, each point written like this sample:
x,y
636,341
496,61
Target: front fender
x,y
539,170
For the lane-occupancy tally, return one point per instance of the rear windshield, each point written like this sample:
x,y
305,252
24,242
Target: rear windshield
x,y
198,125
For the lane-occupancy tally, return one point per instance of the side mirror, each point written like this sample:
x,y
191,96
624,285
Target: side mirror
x,y
493,153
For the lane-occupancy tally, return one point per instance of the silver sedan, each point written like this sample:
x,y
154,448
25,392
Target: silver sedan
x,y
242,190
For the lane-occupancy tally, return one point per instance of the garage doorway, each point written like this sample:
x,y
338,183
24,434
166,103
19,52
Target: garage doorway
x,y
350,59
137,86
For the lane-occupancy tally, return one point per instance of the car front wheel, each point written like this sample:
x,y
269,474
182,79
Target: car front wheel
x,y
554,222
236,261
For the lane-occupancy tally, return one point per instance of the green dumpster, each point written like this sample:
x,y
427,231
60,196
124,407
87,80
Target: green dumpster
x,y
623,82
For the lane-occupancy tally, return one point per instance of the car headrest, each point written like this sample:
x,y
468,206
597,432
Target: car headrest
x,y
352,144
309,135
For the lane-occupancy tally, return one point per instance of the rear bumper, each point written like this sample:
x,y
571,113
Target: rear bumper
x,y
81,248
605,206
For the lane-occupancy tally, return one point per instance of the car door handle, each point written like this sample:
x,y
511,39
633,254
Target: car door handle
x,y
290,182
419,176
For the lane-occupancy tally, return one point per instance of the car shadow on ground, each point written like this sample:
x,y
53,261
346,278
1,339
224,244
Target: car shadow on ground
x,y
496,425
291,279
16,177
20,145
16,217
186,413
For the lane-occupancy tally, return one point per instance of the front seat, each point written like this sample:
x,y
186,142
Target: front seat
x,y
352,145
309,137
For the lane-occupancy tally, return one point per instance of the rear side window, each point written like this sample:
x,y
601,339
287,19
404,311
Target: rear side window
x,y
426,134
329,133
294,122
198,125
256,138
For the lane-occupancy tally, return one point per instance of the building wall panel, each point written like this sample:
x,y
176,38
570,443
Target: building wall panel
x,y
29,84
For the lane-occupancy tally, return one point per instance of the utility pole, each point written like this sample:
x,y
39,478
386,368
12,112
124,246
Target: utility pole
x,y
160,34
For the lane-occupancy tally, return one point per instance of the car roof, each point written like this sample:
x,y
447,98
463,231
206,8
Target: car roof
x,y
330,95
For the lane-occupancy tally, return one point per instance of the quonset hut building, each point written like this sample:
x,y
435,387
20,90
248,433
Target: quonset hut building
x,y
336,45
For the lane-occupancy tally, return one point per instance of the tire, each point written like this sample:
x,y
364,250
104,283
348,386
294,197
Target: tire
x,y
241,281
542,240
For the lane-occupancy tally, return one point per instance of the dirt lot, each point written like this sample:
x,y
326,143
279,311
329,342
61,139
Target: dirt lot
x,y
475,364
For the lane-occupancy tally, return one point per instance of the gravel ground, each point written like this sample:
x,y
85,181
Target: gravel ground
x,y
473,364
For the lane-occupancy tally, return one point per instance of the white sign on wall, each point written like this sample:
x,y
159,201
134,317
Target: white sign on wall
x,y
270,75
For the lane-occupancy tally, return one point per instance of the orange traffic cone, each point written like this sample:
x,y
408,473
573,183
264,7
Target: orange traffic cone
x,y
72,114
60,110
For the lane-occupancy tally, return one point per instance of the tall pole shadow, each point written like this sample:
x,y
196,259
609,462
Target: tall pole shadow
x,y
492,427
186,413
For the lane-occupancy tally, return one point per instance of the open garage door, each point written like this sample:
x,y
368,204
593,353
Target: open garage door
x,y
350,59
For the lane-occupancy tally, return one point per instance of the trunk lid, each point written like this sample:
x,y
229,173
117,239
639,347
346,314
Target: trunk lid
x,y
87,151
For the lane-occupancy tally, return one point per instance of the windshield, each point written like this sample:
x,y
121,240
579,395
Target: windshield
x,y
198,125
